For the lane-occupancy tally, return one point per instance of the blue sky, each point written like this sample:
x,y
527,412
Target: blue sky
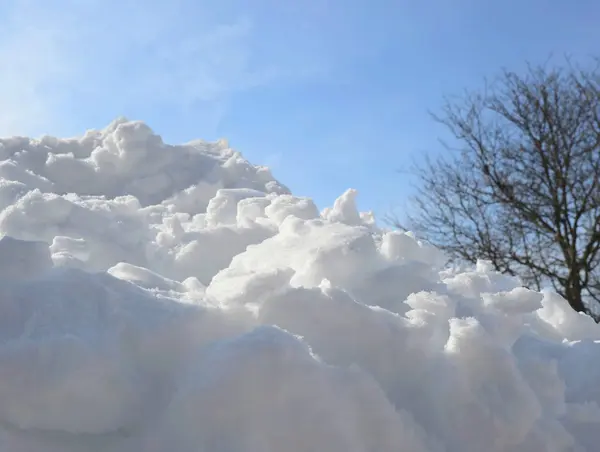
x,y
331,94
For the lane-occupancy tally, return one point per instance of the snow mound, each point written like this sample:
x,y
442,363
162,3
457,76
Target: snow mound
x,y
157,297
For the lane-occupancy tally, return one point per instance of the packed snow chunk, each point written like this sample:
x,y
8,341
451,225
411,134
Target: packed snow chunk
x,y
397,245
314,250
10,192
222,209
285,205
251,211
77,248
194,199
564,321
482,278
508,312
209,251
266,391
21,260
344,209
489,396
329,318
517,301
35,215
144,278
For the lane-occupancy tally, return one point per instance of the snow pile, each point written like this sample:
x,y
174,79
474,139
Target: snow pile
x,y
157,297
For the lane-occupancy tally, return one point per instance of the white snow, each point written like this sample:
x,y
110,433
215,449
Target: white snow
x,y
157,297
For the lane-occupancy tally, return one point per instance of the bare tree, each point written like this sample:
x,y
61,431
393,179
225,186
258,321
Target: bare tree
x,y
522,187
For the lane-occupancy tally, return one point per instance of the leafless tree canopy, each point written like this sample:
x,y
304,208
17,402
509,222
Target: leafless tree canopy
x,y
523,188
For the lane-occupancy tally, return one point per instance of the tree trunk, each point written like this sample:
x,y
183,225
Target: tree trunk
x,y
573,293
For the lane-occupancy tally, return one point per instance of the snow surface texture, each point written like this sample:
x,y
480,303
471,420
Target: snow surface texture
x,y
157,297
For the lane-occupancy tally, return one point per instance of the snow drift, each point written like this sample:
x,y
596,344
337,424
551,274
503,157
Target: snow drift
x,y
157,297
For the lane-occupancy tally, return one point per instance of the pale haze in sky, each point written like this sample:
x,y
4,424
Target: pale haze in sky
x,y
330,93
